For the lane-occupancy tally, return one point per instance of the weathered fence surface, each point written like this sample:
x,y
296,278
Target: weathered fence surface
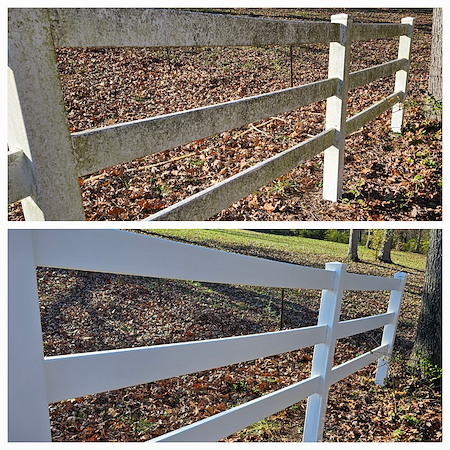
x,y
45,159
35,380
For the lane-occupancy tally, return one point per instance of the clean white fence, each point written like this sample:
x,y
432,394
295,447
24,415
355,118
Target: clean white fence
x,y
45,159
35,380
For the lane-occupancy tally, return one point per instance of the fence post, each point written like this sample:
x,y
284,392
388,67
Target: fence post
x,y
28,417
330,308
336,114
37,122
390,329
401,77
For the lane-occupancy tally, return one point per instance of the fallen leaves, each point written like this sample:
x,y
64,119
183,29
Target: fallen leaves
x,y
269,207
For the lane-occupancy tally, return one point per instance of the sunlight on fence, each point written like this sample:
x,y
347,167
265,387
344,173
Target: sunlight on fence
x,y
35,380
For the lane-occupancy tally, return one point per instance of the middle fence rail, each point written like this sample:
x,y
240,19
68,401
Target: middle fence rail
x,y
35,380
32,140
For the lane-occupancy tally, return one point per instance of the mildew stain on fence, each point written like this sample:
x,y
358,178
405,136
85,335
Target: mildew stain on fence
x,y
115,27
45,177
147,136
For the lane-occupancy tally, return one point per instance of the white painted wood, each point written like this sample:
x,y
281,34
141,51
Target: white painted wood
x,y
225,423
129,253
147,27
75,375
358,282
28,419
205,204
390,329
37,118
359,120
368,31
330,307
20,183
336,112
401,77
362,324
104,147
370,74
355,364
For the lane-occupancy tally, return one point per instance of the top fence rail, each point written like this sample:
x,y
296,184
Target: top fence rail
x,y
122,27
119,27
150,256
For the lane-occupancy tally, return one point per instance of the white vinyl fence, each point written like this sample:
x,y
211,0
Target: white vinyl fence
x,y
35,380
45,160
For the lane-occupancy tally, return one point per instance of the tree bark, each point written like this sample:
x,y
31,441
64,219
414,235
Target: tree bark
x,y
384,254
428,342
369,239
434,107
418,242
352,253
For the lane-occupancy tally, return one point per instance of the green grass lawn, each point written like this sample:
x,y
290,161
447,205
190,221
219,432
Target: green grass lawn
x,y
292,246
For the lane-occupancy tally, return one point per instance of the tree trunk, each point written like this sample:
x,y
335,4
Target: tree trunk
x,y
384,254
353,242
418,242
369,239
434,107
428,342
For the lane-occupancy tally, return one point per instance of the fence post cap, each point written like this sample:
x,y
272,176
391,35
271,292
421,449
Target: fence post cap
x,y
400,275
336,265
340,17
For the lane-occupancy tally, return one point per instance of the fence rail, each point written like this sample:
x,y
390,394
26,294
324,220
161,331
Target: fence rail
x,y
71,376
124,27
147,136
223,194
35,380
45,159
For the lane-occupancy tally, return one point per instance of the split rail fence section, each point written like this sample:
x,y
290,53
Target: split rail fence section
x,y
35,380
45,160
